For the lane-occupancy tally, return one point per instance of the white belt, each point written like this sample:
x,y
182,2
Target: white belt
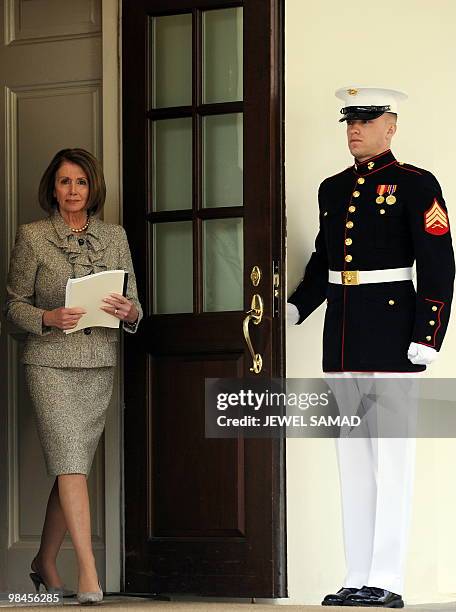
x,y
360,277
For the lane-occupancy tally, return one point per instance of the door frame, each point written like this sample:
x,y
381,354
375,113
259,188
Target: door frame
x,y
112,213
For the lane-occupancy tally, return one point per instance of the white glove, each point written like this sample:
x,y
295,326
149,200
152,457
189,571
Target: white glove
x,y
419,354
292,314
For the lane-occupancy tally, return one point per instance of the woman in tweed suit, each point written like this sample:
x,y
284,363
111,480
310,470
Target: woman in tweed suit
x,y
70,376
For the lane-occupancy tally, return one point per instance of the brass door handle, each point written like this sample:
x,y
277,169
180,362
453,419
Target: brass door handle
x,y
255,314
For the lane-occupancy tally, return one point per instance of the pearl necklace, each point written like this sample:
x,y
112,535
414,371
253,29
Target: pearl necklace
x,y
81,229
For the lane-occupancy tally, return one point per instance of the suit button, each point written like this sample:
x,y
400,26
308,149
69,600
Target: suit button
x,y
356,194
434,308
431,322
348,257
349,224
428,338
81,241
87,331
351,208
348,241
325,213
391,302
361,180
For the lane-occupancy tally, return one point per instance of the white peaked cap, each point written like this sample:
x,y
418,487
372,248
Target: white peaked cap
x,y
369,99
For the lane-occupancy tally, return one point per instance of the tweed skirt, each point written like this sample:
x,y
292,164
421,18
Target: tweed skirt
x,y
70,407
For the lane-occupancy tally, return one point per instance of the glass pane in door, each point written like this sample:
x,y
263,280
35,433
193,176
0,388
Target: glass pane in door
x,y
223,55
171,149
223,264
223,160
173,267
170,60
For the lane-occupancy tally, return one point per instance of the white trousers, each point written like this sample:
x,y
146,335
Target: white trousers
x,y
376,481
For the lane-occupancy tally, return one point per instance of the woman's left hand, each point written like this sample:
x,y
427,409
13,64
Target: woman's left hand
x,y
120,307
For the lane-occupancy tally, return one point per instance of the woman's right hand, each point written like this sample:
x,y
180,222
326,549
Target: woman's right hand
x,y
62,318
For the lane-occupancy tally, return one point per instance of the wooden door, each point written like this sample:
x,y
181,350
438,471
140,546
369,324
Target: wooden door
x,y
202,106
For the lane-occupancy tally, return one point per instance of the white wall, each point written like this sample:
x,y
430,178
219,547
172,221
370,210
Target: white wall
x,y
408,45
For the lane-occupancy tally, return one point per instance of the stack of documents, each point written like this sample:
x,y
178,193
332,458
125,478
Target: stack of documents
x,y
88,293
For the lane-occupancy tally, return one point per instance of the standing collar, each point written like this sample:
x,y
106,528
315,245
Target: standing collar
x,y
64,231
373,164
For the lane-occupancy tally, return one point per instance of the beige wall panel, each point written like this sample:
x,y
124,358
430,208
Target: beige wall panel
x,y
68,115
30,20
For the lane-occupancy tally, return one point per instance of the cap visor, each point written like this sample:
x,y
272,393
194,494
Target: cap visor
x,y
361,116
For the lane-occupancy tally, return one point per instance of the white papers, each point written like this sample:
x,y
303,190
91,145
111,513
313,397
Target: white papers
x,y
88,293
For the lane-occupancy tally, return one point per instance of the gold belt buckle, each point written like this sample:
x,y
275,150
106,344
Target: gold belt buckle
x,y
350,277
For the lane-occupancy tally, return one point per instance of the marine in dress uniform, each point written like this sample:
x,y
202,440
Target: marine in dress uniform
x,y
377,218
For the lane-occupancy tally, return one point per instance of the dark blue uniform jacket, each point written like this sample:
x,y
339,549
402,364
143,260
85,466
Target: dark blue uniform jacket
x,y
368,327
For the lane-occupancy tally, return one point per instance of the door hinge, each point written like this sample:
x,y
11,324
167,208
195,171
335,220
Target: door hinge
x,y
275,288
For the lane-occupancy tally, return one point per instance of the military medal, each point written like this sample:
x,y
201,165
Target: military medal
x,y
386,189
390,199
381,189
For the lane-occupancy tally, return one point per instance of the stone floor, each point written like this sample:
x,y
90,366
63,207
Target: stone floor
x,y
140,604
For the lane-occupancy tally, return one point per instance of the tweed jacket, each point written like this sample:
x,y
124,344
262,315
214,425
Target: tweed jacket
x,y
45,255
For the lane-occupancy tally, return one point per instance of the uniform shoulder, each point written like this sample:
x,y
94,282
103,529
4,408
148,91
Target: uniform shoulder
x,y
406,167
335,178
424,177
410,168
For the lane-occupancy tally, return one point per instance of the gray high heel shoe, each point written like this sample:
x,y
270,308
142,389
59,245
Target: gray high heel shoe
x,y
90,598
37,580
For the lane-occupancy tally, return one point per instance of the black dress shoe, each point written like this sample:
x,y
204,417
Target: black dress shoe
x,y
338,599
373,597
